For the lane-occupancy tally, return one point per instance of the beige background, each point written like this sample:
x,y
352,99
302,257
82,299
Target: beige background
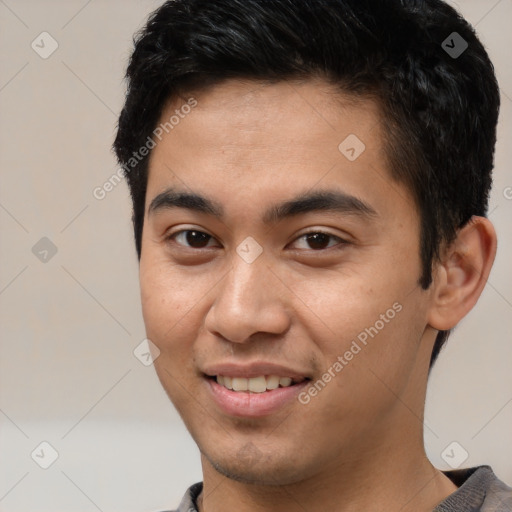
x,y
69,326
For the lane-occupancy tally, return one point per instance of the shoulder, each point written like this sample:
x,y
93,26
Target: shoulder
x,y
498,497
189,503
479,489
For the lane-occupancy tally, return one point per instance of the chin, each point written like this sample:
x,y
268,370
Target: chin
x,y
250,465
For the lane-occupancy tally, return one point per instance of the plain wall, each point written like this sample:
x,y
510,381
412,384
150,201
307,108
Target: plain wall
x,y
68,375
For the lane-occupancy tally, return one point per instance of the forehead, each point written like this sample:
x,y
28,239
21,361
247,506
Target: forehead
x,y
255,113
244,140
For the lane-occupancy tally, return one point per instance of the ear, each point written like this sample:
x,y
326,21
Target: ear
x,y
462,273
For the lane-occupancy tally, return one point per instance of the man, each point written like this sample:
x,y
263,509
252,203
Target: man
x,y
310,181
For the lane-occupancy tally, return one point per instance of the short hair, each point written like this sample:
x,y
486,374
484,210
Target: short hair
x,y
439,100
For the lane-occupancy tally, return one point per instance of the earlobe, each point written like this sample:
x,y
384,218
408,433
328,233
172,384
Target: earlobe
x,y
462,274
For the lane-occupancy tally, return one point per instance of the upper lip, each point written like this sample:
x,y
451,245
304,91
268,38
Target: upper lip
x,y
255,369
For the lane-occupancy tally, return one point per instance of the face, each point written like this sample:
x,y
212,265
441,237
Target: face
x,y
272,254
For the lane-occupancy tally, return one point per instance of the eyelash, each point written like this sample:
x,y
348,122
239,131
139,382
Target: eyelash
x,y
342,242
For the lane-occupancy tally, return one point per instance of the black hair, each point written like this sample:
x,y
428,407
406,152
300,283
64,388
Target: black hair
x,y
439,99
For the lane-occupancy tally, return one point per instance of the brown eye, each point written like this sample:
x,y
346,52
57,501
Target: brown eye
x,y
191,238
317,240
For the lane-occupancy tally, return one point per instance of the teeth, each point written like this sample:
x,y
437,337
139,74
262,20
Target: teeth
x,y
228,382
285,381
272,382
254,384
239,384
257,384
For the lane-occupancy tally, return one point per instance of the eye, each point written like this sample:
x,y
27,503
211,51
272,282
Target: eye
x,y
318,240
195,239
191,238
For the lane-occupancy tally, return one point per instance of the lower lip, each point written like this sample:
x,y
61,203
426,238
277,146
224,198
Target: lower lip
x,y
253,405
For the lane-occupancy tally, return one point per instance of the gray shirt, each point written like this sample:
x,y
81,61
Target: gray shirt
x,y
479,490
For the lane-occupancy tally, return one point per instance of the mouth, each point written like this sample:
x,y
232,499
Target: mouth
x,y
259,384
254,397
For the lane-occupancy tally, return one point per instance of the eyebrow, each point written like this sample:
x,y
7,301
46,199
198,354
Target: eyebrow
x,y
307,202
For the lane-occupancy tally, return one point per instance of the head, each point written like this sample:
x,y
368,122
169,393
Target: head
x,y
263,96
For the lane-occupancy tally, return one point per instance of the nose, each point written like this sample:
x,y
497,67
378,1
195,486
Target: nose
x,y
250,299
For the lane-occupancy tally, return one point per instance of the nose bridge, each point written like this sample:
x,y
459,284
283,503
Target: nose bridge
x,y
249,300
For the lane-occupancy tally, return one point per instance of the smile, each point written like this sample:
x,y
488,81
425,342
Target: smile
x,y
254,397
259,384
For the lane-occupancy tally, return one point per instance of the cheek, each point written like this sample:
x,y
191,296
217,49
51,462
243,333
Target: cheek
x,y
171,303
344,303
171,300
370,317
